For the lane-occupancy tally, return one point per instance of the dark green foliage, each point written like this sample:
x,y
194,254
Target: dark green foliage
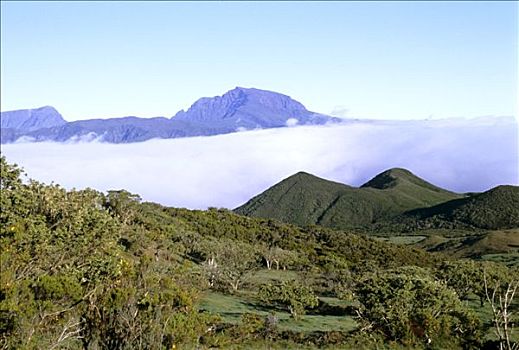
x,y
253,326
290,294
122,204
81,269
228,262
304,199
67,282
147,309
468,276
411,307
309,243
393,201
497,208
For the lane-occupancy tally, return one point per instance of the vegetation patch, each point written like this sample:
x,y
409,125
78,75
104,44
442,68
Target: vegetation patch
x,y
91,270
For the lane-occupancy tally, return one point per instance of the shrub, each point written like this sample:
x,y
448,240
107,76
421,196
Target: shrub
x,y
409,306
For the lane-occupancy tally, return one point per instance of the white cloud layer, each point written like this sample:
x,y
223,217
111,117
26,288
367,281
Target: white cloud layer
x,y
292,122
227,170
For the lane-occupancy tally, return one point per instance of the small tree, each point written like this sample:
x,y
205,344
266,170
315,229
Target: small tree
x,y
228,262
291,295
467,276
461,275
122,204
278,256
500,297
409,306
270,254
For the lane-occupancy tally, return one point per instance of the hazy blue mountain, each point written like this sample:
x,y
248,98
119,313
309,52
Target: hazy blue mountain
x,y
31,119
114,130
249,109
237,110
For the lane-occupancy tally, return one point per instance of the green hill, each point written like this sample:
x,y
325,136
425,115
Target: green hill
x,y
305,199
495,209
86,270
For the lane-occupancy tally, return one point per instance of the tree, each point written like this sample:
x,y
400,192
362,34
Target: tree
x,y
142,309
276,255
409,306
228,262
67,281
333,276
500,297
468,276
56,246
461,275
289,294
122,204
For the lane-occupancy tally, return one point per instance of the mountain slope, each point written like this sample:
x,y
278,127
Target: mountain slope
x,y
236,110
24,120
114,130
250,108
493,242
305,199
497,208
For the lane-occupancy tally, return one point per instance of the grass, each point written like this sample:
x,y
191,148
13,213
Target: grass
x,y
402,240
485,315
509,259
312,323
497,245
304,199
268,276
336,301
231,308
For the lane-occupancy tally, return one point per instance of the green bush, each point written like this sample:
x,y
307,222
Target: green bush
x,y
411,307
289,294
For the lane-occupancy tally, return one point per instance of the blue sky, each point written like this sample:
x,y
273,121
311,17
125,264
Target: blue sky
x,y
404,60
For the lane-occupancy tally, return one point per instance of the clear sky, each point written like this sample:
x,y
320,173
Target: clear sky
x,y
375,59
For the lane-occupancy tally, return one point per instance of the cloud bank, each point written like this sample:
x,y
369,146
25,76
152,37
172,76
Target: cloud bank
x,y
227,170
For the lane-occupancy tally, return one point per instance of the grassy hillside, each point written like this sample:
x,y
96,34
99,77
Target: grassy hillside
x,y
493,242
495,209
312,243
304,199
300,199
89,270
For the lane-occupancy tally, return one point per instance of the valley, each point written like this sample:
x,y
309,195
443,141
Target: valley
x,y
115,270
259,175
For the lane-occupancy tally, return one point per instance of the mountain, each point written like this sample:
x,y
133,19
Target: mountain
x,y
497,208
31,119
113,130
237,110
250,109
15,124
305,199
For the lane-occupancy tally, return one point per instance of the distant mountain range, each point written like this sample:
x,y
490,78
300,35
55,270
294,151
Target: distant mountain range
x,y
395,196
237,110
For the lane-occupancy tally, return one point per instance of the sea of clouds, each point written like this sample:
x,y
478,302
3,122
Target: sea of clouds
x,y
462,155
